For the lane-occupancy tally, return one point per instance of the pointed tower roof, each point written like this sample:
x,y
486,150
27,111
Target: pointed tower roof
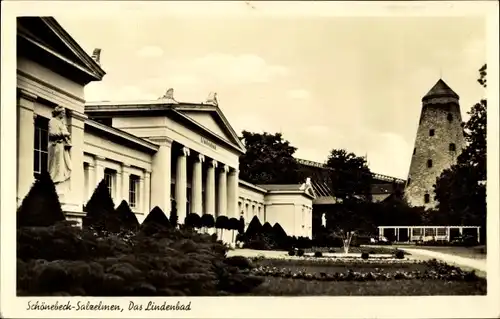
x,y
440,89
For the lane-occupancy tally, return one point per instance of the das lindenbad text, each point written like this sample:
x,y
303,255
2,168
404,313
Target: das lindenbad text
x,y
102,306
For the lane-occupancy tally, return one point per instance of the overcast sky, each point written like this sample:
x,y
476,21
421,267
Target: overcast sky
x,y
330,82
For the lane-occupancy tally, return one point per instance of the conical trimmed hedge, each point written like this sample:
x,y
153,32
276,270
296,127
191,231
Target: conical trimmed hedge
x,y
128,217
41,206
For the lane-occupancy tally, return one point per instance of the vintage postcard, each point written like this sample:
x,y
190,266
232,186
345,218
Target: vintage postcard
x,y
242,159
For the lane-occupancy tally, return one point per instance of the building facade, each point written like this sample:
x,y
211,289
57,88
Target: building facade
x,y
438,143
150,153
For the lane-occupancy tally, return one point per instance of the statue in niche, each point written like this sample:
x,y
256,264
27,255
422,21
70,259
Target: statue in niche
x,y
323,220
59,150
212,99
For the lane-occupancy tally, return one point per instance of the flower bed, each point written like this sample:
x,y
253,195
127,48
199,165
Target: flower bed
x,y
436,271
341,260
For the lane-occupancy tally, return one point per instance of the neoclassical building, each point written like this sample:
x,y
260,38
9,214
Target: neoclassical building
x,y
150,153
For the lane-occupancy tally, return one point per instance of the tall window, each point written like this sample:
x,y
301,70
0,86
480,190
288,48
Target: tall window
x,y
429,163
41,145
409,182
133,190
414,151
431,132
449,117
110,178
427,198
452,147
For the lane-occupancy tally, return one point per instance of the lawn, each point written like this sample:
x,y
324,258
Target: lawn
x,y
478,252
415,287
364,278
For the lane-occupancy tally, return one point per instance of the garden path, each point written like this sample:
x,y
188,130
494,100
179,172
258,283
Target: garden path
x,y
463,262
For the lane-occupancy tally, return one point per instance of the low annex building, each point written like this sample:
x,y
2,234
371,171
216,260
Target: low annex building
x,y
150,153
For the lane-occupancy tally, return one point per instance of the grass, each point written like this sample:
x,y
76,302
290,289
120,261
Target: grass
x,y
278,286
477,252
296,287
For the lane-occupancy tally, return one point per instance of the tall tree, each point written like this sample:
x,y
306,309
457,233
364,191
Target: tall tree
x,y
350,177
268,160
461,190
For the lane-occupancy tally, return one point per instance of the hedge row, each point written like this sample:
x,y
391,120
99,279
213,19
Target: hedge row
x,y
112,255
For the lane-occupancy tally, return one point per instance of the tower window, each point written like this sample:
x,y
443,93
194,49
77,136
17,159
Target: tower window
x,y
449,117
414,151
452,147
427,198
429,163
431,132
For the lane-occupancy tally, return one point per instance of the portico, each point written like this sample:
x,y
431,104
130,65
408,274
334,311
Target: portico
x,y
196,165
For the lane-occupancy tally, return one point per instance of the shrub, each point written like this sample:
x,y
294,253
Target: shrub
x,y
318,254
241,226
259,242
41,206
233,225
207,221
300,252
192,220
156,218
399,254
239,261
222,223
170,262
365,255
128,218
174,218
101,215
291,252
254,228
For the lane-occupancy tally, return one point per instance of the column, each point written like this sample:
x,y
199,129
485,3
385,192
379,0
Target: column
x,y
397,234
161,175
141,198
147,189
232,193
125,184
74,201
181,184
461,230
222,200
91,183
197,185
210,189
25,142
98,170
478,235
380,232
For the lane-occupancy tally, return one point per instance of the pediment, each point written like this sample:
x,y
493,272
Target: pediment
x,y
46,33
214,122
208,121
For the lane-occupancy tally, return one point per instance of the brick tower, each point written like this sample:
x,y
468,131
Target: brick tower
x,y
439,141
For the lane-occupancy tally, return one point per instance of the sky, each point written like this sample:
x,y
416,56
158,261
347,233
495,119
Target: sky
x,y
325,82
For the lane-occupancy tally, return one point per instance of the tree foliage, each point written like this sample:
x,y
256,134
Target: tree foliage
x,y
350,178
268,159
461,190
41,206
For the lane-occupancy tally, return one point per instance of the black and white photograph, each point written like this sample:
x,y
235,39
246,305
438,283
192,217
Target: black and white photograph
x,y
154,153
